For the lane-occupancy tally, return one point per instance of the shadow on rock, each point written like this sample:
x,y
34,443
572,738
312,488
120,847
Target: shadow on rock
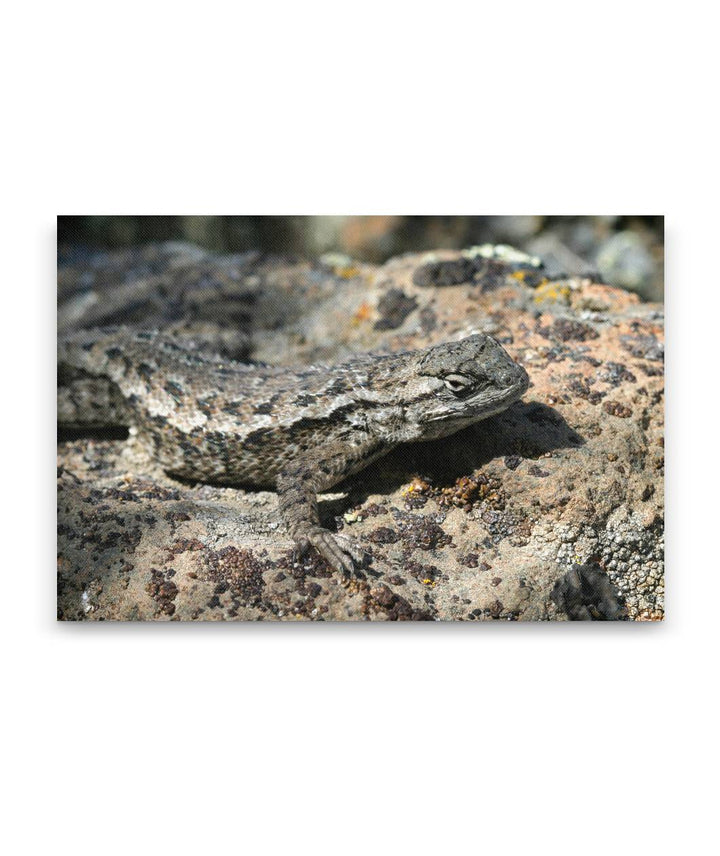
x,y
586,593
524,431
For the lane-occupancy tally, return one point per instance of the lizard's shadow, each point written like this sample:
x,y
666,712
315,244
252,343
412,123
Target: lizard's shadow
x,y
526,430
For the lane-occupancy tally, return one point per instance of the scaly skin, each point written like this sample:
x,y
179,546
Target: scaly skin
x,y
299,432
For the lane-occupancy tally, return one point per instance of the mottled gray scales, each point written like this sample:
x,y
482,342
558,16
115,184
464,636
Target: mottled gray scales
x,y
299,432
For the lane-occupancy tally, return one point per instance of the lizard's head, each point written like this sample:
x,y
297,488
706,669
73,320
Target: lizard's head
x,y
462,382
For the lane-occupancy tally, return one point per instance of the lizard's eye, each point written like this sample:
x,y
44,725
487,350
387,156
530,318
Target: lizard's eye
x,y
458,384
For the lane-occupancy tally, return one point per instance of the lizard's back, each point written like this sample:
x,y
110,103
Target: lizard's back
x,y
206,418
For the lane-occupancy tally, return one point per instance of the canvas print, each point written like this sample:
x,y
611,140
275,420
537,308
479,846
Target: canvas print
x,y
360,418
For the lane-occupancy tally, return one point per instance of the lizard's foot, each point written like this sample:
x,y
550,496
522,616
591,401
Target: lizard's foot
x,y
339,551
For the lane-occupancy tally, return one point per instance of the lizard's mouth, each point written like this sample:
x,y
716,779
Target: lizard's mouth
x,y
499,401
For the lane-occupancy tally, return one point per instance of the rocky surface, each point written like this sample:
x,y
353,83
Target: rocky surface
x,y
627,251
551,511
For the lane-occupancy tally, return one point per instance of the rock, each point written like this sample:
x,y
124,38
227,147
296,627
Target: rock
x,y
586,594
569,245
559,260
625,260
552,510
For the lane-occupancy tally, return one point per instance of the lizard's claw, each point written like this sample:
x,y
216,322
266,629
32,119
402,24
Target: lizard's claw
x,y
339,551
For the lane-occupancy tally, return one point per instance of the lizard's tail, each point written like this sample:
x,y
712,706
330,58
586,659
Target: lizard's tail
x,y
87,397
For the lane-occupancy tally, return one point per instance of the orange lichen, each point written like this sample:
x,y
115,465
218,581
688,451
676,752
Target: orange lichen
x,y
364,312
347,271
417,485
552,291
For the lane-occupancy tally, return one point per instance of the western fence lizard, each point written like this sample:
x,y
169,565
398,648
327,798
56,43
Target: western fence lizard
x,y
298,431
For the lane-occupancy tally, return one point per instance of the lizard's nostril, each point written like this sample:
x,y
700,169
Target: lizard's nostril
x,y
512,377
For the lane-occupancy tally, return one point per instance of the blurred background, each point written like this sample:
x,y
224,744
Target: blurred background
x,y
622,250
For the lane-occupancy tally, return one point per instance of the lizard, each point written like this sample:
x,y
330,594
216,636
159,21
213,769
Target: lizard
x,y
298,431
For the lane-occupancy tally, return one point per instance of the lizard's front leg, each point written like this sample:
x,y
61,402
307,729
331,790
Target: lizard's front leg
x,y
297,487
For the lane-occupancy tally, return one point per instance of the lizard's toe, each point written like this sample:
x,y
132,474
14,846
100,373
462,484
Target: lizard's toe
x,y
300,550
359,555
337,550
